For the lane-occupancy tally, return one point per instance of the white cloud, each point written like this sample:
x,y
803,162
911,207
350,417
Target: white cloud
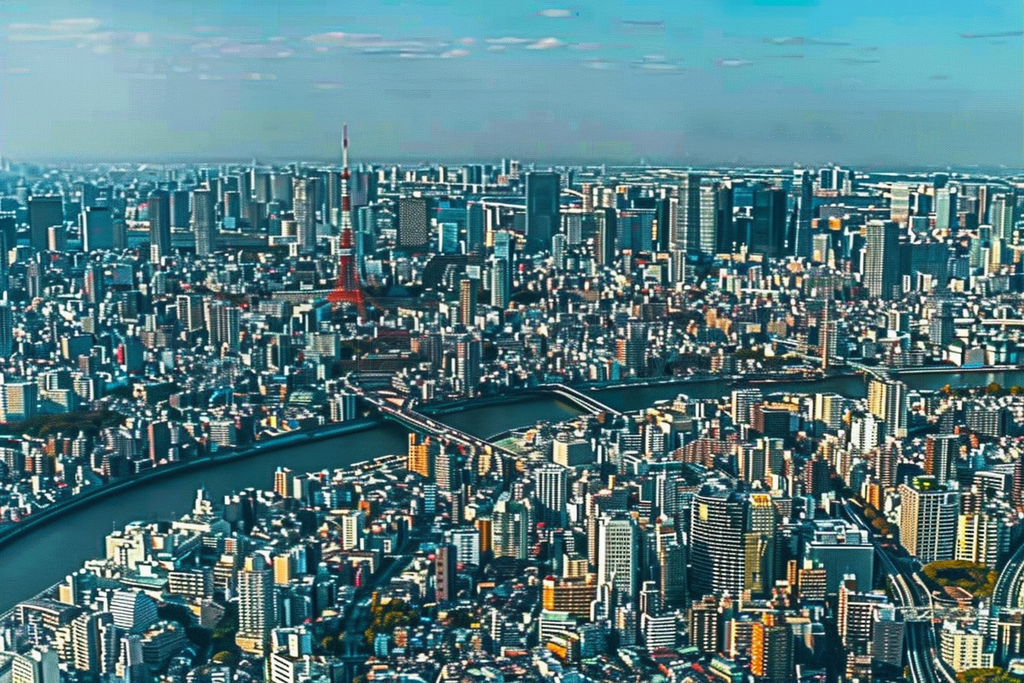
x,y
556,13
733,63
507,40
341,38
600,64
58,29
451,54
545,44
496,48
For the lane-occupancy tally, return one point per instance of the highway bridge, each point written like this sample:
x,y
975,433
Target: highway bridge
x,y
580,399
396,411
914,602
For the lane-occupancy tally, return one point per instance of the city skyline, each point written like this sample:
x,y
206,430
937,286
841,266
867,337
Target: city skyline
x,y
777,83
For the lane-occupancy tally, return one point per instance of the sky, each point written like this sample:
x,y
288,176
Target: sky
x,y
893,83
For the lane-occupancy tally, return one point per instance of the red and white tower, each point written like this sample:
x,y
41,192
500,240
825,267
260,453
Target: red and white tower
x,y
348,289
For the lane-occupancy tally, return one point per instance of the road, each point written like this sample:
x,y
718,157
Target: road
x,y
909,592
1008,593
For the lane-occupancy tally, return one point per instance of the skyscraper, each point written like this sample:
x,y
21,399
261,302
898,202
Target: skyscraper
x,y
551,480
1003,215
97,228
803,212
899,203
945,208
887,400
499,283
413,222
542,209
43,213
467,301
882,259
717,524
204,220
768,227
474,227
618,555
687,228
159,224
605,229
710,214
941,451
255,605
304,208
928,519
467,356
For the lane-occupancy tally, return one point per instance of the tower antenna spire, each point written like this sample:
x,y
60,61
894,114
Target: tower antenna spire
x,y
349,288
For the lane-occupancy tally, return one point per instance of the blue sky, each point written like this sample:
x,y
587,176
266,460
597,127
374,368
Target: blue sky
x,y
901,82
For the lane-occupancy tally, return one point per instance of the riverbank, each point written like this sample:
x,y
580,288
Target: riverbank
x,y
77,502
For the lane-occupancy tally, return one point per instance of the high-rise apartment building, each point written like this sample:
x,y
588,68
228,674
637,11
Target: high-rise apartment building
x,y
928,519
882,259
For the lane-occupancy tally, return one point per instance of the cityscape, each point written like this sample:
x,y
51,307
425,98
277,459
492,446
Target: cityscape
x,y
586,410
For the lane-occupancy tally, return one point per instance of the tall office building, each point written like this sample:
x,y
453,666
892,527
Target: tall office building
x,y
928,519
899,203
475,227
255,605
551,482
768,227
500,284
413,222
686,233
224,324
543,214
1003,216
97,228
945,208
941,452
467,363
43,213
6,330
887,400
179,209
717,528
882,259
803,213
512,527
304,209
605,235
467,301
710,214
618,555
204,220
159,224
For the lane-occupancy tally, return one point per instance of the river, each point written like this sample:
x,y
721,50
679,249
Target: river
x,y
43,556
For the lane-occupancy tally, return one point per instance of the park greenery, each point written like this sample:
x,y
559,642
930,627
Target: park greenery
x,y
387,616
89,423
990,675
976,579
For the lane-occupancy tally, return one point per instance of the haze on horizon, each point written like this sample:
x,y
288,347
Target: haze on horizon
x,y
896,83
